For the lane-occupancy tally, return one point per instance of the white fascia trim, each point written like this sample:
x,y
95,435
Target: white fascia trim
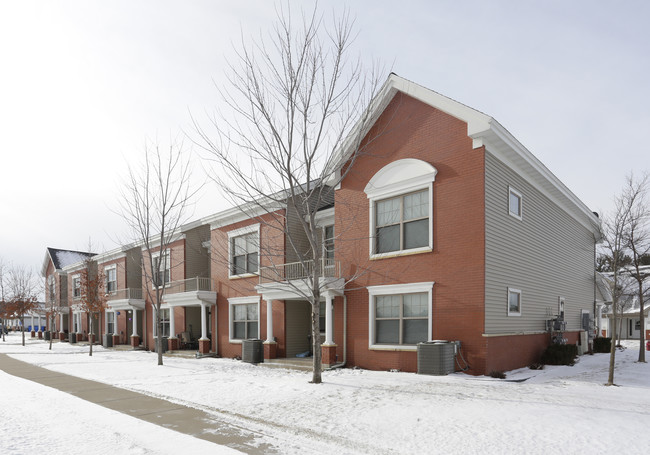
x,y
243,212
236,233
325,217
231,314
110,255
391,289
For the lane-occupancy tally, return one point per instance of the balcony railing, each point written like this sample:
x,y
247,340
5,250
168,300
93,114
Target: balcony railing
x,y
189,285
299,271
125,294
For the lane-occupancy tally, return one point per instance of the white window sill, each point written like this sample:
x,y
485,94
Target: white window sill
x,y
236,341
392,347
242,275
392,254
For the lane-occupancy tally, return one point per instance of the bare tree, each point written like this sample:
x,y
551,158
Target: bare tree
x,y
297,107
52,305
3,297
23,294
155,203
92,296
637,237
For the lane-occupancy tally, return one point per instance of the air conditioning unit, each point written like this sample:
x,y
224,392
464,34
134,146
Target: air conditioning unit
x,y
252,351
436,357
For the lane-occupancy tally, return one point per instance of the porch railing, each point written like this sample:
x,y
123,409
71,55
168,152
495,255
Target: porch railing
x,y
299,270
189,285
125,294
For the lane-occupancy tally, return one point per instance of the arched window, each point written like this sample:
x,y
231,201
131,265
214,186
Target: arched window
x,y
401,208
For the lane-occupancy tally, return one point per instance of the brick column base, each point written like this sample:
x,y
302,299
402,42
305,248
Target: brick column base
x,y
116,340
270,349
647,334
172,343
328,355
204,346
92,339
62,336
135,341
40,335
33,334
80,337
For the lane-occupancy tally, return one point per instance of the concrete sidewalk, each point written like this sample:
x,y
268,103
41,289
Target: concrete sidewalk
x,y
176,417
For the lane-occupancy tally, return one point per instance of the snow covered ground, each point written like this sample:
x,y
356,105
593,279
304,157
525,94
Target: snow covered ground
x,y
565,409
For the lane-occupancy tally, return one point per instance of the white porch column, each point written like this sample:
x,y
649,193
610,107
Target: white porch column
x,y
61,322
269,321
172,324
39,322
329,323
204,320
135,322
32,322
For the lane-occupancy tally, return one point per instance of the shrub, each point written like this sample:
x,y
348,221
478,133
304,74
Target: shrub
x,y
536,366
560,354
497,374
602,344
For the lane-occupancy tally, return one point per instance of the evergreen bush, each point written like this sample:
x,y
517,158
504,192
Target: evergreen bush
x,y
560,354
602,344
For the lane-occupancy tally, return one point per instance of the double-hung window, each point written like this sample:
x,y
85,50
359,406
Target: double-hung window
x,y
52,289
164,320
401,208
244,246
111,279
514,302
110,322
400,315
76,287
515,203
402,222
244,320
161,269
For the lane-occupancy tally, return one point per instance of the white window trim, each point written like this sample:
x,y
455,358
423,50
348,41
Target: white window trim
x,y
395,179
519,215
236,233
392,289
153,320
72,278
514,291
156,255
106,269
231,314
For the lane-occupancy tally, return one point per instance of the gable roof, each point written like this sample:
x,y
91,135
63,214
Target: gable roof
x,y
63,258
486,132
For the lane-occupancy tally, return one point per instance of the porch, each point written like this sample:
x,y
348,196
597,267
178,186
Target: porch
x,y
196,297
130,303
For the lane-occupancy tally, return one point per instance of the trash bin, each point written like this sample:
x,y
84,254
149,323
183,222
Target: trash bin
x,y
107,340
72,337
47,335
252,351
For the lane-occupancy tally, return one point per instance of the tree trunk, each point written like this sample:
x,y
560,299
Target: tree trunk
x,y
317,354
612,351
52,331
641,324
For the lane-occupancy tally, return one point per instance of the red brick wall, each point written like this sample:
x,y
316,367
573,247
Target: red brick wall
x,y
411,129
272,241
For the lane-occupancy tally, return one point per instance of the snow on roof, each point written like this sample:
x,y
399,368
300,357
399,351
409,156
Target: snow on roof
x,y
64,258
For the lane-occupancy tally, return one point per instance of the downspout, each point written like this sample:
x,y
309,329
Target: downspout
x,y
345,336
596,321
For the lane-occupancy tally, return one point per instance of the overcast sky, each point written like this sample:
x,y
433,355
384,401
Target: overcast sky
x,y
84,83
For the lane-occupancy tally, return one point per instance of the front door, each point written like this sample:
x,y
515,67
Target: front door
x,y
297,328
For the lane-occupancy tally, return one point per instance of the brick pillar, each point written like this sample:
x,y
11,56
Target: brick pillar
x,y
270,349
172,344
80,337
135,341
33,334
116,340
204,346
62,336
40,335
328,354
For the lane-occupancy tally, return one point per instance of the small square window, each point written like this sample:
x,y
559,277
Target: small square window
x,y
514,302
515,203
